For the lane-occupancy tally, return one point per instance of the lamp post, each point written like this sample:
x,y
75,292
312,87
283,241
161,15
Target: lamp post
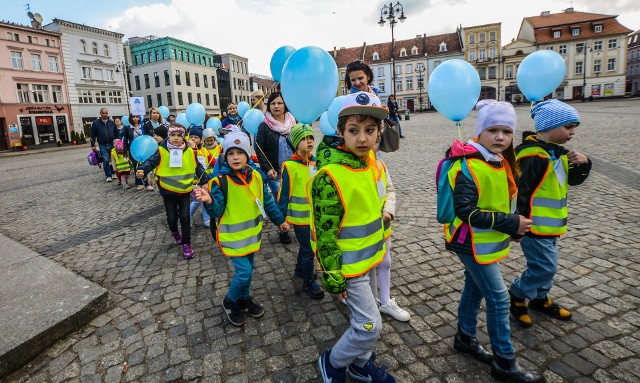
x,y
584,73
123,66
389,12
420,70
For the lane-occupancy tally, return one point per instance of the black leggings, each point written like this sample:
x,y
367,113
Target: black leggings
x,y
177,206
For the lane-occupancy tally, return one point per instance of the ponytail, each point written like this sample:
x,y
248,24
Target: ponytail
x,y
509,155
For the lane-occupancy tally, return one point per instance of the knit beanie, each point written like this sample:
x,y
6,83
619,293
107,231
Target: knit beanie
x,y
176,128
298,132
161,131
238,140
494,113
196,131
552,113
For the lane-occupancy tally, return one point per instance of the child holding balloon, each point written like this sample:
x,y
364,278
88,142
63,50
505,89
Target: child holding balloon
x,y
484,192
207,160
176,167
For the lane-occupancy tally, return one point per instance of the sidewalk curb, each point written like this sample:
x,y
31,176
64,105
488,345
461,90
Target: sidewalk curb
x,y
9,154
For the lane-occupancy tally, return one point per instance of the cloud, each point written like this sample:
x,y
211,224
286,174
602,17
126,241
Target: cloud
x,y
611,6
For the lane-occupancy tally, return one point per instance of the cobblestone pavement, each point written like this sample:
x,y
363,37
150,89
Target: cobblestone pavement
x,y
167,325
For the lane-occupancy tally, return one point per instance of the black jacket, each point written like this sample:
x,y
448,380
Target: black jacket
x,y
267,144
147,128
103,132
465,201
534,168
127,138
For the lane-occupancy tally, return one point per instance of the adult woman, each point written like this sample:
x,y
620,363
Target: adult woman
x,y
155,120
359,77
392,104
273,145
119,126
130,133
257,101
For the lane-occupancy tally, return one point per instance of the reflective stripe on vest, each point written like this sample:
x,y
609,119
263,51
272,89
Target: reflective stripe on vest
x,y
178,180
488,245
122,164
361,236
240,228
549,200
298,210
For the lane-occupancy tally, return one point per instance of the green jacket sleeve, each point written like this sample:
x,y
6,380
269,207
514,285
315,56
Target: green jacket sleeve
x,y
328,214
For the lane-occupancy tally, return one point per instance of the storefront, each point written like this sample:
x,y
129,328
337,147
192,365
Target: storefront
x,y
42,125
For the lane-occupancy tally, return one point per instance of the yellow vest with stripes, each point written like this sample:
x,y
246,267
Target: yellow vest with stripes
x,y
361,233
239,230
178,180
203,159
488,245
548,203
381,184
122,164
298,210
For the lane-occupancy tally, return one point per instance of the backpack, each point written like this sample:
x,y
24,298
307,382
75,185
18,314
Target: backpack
x,y
444,192
390,137
92,158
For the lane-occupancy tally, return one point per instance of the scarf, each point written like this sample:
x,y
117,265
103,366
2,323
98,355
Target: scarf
x,y
235,119
278,126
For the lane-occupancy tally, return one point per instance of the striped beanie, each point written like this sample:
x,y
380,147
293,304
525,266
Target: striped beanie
x,y
298,132
552,113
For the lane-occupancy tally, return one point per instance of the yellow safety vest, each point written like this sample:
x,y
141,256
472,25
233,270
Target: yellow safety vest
x,y
298,211
177,180
381,184
122,164
361,233
240,228
488,245
548,203
203,154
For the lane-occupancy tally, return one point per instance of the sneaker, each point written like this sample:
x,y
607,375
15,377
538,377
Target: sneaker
x,y
109,179
546,306
285,237
125,186
470,345
176,235
371,372
313,290
187,252
140,187
207,224
251,307
329,373
234,314
150,188
518,310
392,308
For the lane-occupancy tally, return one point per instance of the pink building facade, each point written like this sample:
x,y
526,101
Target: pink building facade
x,y
34,100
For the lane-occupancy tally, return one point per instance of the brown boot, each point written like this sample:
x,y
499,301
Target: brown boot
x,y
519,311
546,306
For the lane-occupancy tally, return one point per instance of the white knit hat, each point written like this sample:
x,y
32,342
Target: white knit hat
x,y
494,113
236,140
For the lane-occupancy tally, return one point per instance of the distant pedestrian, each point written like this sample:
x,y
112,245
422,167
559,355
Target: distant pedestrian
x,y
103,131
155,120
119,126
548,169
257,101
232,117
394,115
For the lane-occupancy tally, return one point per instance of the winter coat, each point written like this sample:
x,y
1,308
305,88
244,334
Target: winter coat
x,y
267,147
103,132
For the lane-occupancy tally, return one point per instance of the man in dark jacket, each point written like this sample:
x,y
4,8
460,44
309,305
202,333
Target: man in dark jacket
x,y
103,132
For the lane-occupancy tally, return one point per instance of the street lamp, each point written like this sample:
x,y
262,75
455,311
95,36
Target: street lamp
x,y
389,12
122,65
584,73
420,70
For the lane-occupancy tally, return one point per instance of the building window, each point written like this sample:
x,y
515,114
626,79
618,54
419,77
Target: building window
x,y
410,83
482,37
575,31
40,93
86,96
613,44
56,93
381,86
149,101
101,96
86,72
472,38
482,54
579,47
399,85
83,44
436,63
482,72
472,55
180,57
403,52
13,36
53,64
611,64
380,71
156,79
556,34
205,79
23,93
597,28
115,97
408,68
443,47
213,83
420,82
164,53
189,98
578,67
94,48
597,45
187,77
197,78
198,97
32,40
147,83
169,99
180,100
178,79
215,100
492,73
376,56
492,52
492,36
142,59
398,69
149,56
137,82
36,62
16,60
414,50
156,55
509,71
167,78
159,99
109,75
199,60
562,49
597,66
207,99
105,48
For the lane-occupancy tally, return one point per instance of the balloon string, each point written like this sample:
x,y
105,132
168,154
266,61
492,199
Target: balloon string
x,y
459,125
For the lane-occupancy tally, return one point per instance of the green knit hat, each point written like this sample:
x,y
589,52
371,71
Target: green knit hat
x,y
298,132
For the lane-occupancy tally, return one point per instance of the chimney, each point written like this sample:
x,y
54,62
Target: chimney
x,y
545,13
569,10
334,52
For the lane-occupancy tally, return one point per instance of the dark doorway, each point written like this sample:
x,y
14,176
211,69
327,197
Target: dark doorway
x,y
62,128
3,136
410,105
577,93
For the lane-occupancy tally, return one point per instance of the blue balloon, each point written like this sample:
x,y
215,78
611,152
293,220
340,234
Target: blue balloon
x,y
252,120
243,107
309,83
125,120
164,112
540,73
220,140
325,125
278,60
454,89
334,109
182,120
143,147
196,114
214,123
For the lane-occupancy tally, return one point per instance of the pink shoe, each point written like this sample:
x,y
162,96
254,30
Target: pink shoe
x,y
176,235
186,249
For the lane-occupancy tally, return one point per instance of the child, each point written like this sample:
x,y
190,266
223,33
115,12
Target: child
x,y
207,161
232,116
120,162
348,237
480,235
210,141
240,198
293,203
176,167
547,170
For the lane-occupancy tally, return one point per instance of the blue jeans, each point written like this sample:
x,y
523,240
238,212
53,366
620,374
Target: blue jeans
x,y
194,206
240,287
485,281
542,265
397,121
305,254
105,152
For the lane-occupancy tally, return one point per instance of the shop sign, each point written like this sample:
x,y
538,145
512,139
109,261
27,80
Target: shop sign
x,y
44,121
608,89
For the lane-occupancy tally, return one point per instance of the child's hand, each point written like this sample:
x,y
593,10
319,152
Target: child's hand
x,y
577,158
284,227
386,217
342,296
192,144
525,225
202,195
140,173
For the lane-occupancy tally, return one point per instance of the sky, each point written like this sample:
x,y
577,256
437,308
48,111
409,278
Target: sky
x,y
256,28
